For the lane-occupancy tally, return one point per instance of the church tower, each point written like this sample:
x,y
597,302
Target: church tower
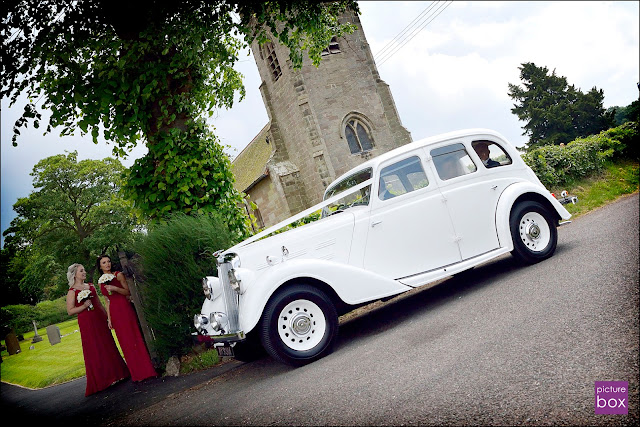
x,y
322,122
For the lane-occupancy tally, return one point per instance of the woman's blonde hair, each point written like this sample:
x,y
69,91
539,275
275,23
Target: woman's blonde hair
x,y
71,273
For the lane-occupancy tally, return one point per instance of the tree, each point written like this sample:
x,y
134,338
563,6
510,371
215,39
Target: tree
x,y
555,111
151,71
11,273
75,213
630,113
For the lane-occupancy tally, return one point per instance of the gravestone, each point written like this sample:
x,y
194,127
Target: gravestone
x,y
36,337
53,333
13,346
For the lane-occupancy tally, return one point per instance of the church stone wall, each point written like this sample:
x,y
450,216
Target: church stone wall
x,y
308,109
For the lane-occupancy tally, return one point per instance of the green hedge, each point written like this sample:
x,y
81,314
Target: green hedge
x,y
19,317
174,257
558,165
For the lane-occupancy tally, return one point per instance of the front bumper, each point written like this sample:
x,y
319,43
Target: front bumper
x,y
220,339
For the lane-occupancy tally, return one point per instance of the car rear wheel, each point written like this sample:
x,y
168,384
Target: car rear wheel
x,y
533,231
299,325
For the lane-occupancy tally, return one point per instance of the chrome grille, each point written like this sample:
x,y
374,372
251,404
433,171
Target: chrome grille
x,y
229,296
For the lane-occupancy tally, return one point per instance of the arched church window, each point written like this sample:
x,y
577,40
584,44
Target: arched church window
x,y
268,53
358,135
333,47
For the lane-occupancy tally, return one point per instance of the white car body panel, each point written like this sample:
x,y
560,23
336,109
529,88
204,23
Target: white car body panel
x,y
391,245
353,285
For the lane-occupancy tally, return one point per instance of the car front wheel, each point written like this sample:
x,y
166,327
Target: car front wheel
x,y
533,231
299,325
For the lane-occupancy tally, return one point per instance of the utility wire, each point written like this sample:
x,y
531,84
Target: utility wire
x,y
411,24
406,39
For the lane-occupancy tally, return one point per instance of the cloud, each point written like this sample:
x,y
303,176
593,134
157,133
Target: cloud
x,y
455,72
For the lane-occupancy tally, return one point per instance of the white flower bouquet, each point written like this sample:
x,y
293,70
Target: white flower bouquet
x,y
85,295
106,278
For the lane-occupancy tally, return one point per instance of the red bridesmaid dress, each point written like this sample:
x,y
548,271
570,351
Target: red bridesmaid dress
x,y
103,363
125,323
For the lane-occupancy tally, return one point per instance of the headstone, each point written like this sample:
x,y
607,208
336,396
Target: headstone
x,y
13,346
53,333
36,337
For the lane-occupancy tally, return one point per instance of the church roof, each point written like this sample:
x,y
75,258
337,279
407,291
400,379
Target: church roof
x,y
250,165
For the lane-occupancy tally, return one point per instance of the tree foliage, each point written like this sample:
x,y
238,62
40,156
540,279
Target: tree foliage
x,y
630,113
75,213
554,111
152,71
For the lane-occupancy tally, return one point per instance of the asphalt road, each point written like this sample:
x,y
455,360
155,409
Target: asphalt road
x,y
503,344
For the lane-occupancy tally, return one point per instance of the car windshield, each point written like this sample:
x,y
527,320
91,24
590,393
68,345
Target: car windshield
x,y
359,198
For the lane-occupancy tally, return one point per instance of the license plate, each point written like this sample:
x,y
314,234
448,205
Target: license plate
x,y
225,351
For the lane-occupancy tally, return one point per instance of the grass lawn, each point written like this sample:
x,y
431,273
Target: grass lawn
x,y
46,364
617,179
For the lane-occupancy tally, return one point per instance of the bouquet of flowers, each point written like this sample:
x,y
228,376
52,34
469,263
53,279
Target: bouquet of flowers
x,y
85,295
106,278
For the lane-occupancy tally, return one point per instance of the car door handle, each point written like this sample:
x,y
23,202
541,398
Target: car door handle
x,y
374,223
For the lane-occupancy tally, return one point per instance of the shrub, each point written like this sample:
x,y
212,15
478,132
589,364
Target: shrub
x,y
20,317
624,140
174,257
52,312
17,317
558,165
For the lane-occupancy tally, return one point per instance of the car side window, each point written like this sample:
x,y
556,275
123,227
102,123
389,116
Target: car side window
x,y
452,161
402,177
491,154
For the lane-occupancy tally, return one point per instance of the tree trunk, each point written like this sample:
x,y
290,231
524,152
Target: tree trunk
x,y
147,331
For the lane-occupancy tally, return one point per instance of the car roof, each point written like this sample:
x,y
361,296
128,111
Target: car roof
x,y
425,142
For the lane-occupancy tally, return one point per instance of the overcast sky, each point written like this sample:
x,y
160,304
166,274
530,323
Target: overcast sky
x,y
451,73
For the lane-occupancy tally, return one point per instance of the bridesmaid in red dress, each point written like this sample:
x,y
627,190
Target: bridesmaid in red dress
x,y
123,319
103,363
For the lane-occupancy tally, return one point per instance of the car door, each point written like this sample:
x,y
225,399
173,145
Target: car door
x,y
471,191
410,230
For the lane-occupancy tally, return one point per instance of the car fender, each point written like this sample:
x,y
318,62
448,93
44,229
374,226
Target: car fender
x,y
506,202
353,285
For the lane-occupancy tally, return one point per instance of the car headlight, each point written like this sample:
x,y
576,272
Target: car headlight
x,y
200,321
206,288
211,287
219,321
234,281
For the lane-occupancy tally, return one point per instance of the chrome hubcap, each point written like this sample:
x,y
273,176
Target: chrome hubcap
x,y
301,325
534,231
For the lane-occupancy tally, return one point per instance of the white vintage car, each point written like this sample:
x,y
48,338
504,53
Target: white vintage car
x,y
411,216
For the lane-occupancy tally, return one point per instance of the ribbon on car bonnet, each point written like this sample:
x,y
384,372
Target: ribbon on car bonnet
x,y
302,214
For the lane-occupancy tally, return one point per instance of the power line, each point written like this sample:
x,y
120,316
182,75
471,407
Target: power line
x,y
411,24
407,38
426,21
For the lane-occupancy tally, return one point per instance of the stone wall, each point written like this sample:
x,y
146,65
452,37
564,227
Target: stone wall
x,y
308,110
